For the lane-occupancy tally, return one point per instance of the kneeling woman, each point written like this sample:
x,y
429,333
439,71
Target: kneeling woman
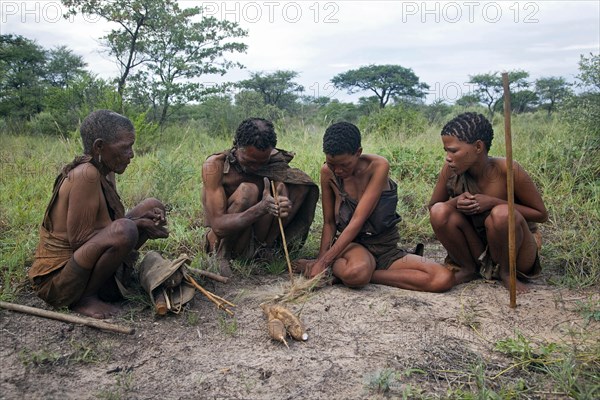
x,y
359,201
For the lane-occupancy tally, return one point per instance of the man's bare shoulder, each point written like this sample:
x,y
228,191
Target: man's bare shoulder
x,y
215,158
212,168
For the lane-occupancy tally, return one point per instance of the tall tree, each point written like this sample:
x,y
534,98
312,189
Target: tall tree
x,y
134,19
186,49
386,81
490,88
63,66
551,91
22,63
277,88
169,46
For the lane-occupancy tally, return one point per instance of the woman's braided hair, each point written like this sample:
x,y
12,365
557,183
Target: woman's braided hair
x,y
470,127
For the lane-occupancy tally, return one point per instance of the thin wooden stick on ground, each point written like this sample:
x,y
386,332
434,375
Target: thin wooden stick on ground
x,y
287,256
220,302
510,193
91,322
210,275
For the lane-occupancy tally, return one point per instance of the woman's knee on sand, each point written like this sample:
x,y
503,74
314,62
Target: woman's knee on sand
x,y
355,274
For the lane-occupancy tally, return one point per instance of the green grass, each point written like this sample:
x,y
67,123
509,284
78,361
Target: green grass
x,y
562,159
523,368
564,164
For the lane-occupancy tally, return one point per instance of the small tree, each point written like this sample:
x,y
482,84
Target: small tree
x,y
277,89
185,50
522,101
386,81
468,100
490,88
551,92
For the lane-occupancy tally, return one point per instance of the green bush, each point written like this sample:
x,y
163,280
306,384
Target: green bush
x,y
393,122
43,123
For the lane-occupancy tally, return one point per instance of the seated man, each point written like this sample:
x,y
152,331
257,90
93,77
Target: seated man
x,y
468,208
239,208
359,202
87,243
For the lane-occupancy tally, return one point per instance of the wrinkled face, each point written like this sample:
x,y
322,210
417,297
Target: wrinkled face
x,y
252,159
342,165
117,155
460,155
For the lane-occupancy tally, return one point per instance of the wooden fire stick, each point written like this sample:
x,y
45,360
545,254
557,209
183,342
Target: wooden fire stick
x,y
211,275
220,302
510,193
287,256
94,323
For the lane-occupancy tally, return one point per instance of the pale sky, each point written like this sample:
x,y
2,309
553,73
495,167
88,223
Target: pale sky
x,y
442,41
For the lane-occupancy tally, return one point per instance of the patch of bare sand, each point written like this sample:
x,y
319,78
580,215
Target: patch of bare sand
x,y
353,334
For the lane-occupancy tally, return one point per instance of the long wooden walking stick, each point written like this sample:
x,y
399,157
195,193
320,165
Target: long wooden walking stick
x,y
287,256
510,193
94,323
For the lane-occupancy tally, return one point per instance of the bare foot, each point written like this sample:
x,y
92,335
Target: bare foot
x,y
225,267
93,307
520,286
464,275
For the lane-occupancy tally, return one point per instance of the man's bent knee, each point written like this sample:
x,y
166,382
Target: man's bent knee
x,y
124,233
151,203
245,196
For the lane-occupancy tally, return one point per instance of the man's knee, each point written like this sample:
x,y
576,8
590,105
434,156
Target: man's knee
x,y
151,203
244,197
124,233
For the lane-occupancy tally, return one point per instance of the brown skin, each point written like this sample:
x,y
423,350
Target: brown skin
x,y
365,177
455,232
236,204
81,216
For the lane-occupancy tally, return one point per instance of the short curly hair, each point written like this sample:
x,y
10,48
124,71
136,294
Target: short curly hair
x,y
470,127
341,138
103,124
257,132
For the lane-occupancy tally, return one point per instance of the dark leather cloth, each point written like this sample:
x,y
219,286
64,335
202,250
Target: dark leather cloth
x,y
279,170
379,234
52,281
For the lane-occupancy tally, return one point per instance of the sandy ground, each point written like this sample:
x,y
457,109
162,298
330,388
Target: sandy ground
x,y
355,336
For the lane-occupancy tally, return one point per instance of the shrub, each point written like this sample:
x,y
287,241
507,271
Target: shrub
x,y
398,121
